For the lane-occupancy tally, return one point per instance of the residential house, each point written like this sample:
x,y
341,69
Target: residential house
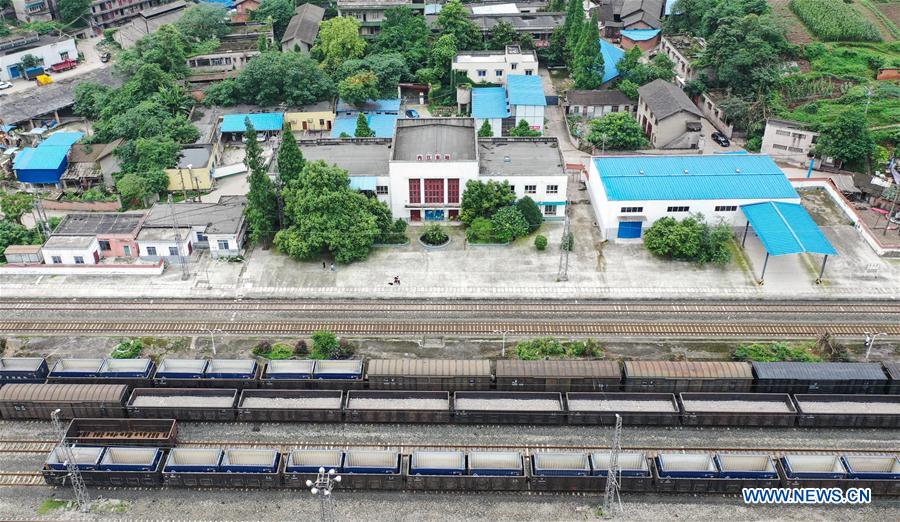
x,y
23,255
34,10
116,232
490,104
47,49
381,116
597,103
539,25
630,193
194,170
219,227
106,14
71,250
370,13
506,6
527,100
92,164
645,39
618,15
496,66
148,21
243,9
789,141
669,118
235,50
316,117
303,28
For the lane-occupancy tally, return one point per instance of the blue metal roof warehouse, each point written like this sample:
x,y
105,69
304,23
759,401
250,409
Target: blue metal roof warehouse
x,y
525,90
46,163
489,103
262,122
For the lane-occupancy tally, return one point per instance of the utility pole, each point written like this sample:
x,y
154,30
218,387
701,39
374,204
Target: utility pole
x,y
870,342
325,482
612,501
72,471
185,271
503,333
564,247
43,222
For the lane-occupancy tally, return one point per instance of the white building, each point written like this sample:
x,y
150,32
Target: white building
x,y
527,100
48,50
789,141
366,161
219,227
496,66
630,193
71,250
33,10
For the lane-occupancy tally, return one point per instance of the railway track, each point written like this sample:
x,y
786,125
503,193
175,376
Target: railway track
x,y
651,328
19,479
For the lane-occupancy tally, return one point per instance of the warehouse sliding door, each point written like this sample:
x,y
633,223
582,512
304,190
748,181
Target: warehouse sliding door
x,y
629,229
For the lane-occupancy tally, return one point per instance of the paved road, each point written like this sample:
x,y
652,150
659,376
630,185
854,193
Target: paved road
x,y
91,62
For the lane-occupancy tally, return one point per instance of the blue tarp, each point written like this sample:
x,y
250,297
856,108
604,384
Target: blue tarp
x,y
382,124
363,182
740,176
612,55
786,228
525,90
62,139
262,122
639,35
489,102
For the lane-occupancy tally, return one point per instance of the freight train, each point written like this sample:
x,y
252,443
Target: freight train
x,y
37,401
482,470
467,375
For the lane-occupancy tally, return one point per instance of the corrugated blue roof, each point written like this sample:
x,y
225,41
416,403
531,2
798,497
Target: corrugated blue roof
x,y
262,122
525,90
639,35
62,139
370,106
227,4
382,124
786,228
489,102
745,176
612,55
46,157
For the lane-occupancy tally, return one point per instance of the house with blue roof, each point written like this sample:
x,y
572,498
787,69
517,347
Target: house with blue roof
x,y
489,105
612,55
526,100
645,39
46,163
234,125
381,116
630,193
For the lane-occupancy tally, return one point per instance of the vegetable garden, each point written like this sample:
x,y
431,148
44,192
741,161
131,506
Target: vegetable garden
x,y
833,20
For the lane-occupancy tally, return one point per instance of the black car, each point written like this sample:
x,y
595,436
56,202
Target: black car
x,y
720,138
105,57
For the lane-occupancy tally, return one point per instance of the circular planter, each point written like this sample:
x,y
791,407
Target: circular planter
x,y
435,247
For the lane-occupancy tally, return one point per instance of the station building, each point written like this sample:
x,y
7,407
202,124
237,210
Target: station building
x,y
630,193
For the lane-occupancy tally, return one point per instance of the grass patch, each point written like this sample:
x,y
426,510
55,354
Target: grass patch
x,y
552,348
775,352
277,351
52,504
129,349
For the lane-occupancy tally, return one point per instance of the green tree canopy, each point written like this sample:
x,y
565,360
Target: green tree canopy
x,y
573,27
278,11
745,52
631,69
847,138
405,32
588,61
133,188
508,224
388,69
262,203
15,234
485,131
617,131
339,41
454,20
14,206
146,154
362,127
359,88
166,47
523,130
272,78
531,212
203,21
690,239
327,215
482,199
502,34
290,159
439,59
72,10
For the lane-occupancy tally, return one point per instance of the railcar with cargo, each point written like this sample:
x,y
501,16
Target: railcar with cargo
x,y
122,432
23,370
132,372
737,409
674,377
186,404
558,376
38,401
657,409
290,406
429,374
848,411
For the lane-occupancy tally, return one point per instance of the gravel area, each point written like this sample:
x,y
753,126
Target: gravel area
x,y
507,405
738,406
183,401
398,404
300,403
887,408
605,405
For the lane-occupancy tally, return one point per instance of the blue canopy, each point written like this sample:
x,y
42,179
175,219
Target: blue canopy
x,y
786,228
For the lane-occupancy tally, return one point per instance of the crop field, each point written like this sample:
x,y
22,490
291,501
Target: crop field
x,y
833,20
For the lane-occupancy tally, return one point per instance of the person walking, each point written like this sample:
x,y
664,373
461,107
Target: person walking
x,y
324,267
397,280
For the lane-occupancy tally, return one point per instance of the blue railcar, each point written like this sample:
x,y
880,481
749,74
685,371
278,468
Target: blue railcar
x,y
250,461
878,467
372,462
309,461
813,467
438,463
351,369
181,369
301,369
193,460
629,464
126,368
561,464
68,368
231,369
87,458
733,466
686,465
495,464
130,459
32,370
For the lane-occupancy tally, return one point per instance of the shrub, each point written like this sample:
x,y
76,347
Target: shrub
x,y
833,20
509,224
547,347
480,231
531,212
773,352
300,349
588,348
129,349
261,348
280,351
540,242
435,234
690,239
325,345
345,350
568,242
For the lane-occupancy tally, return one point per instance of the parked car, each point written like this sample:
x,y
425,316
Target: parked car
x,y
5,85
720,138
412,113
259,137
105,57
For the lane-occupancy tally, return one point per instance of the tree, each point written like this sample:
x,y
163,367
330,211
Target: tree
x,y
555,53
523,130
405,32
847,138
14,206
15,234
573,26
339,41
290,158
166,47
441,56
690,239
482,199
617,131
480,230
203,21
526,42
556,6
486,131
588,61
327,215
628,88
454,20
145,154
30,61
531,212
503,34
72,10
359,88
631,69
146,120
90,98
695,88
389,69
273,78
279,12
745,52
362,127
325,345
175,98
133,188
508,224
262,204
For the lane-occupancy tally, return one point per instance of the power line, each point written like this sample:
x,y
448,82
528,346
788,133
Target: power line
x,y
72,471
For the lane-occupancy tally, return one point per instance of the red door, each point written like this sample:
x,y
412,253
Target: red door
x,y
96,257
415,215
190,248
305,126
453,214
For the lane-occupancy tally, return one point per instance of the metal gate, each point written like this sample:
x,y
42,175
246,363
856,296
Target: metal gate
x,y
629,229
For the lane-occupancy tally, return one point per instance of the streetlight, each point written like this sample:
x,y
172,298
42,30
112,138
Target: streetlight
x,y
503,332
870,341
323,485
212,338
